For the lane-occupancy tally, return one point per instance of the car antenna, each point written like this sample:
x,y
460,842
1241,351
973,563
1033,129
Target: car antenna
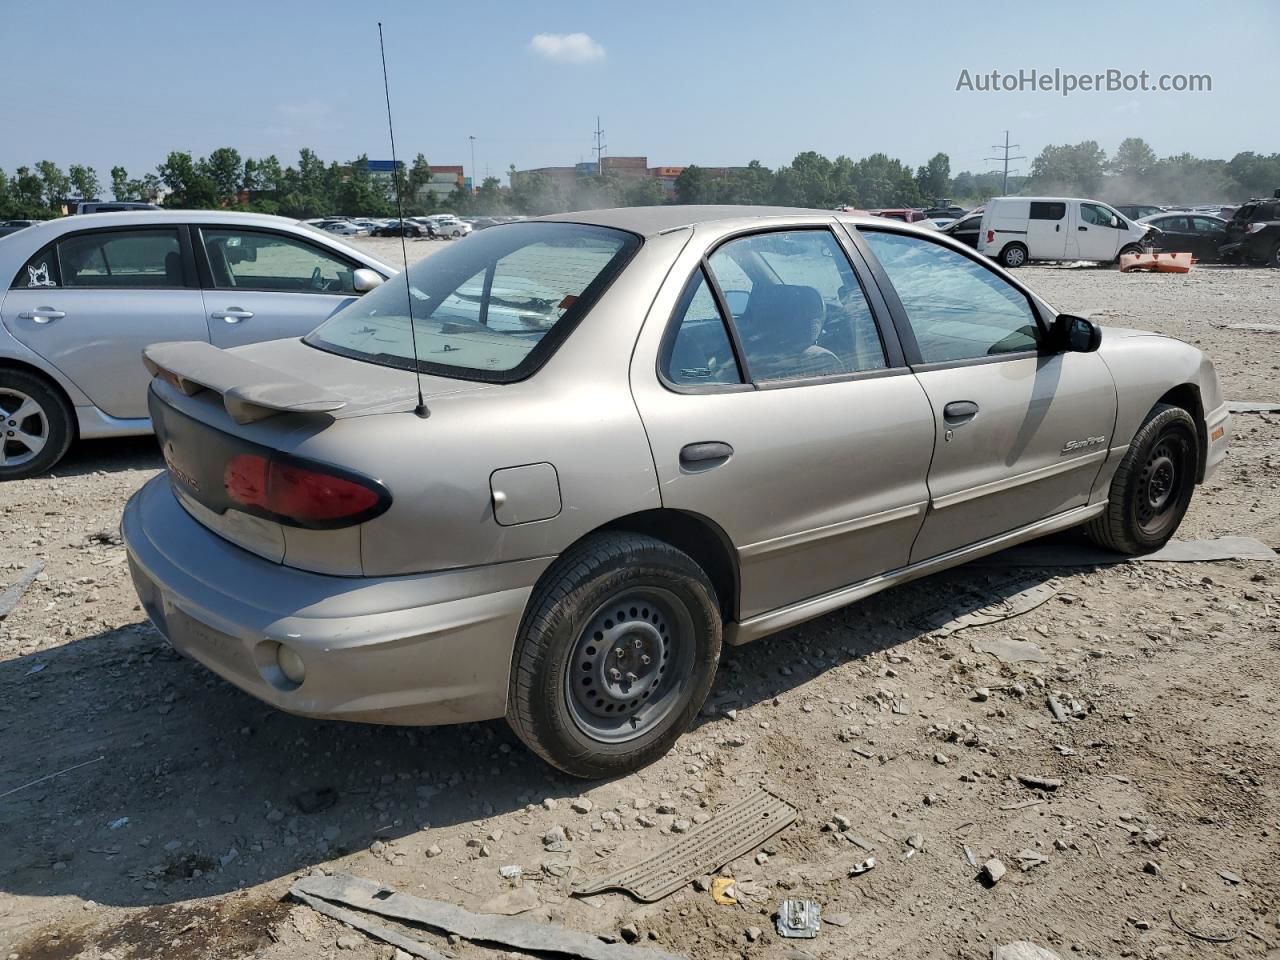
x,y
421,409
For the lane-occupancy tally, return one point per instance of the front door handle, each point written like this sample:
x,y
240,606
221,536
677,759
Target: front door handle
x,y
959,411
1083,229
707,453
232,315
42,314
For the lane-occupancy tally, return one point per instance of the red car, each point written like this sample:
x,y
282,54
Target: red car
x,y
905,214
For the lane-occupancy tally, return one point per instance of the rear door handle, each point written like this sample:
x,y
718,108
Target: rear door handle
x,y
705,453
42,314
232,315
959,411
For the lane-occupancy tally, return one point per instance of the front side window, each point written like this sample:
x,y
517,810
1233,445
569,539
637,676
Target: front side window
x,y
700,351
798,305
492,308
248,260
957,308
121,259
1100,216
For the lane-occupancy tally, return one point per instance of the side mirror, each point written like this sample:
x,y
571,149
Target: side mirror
x,y
1076,334
364,279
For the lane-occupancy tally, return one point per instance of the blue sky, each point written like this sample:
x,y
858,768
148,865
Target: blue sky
x,y
707,82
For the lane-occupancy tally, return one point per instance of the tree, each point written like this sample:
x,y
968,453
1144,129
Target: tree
x,y
419,175
880,181
1133,158
26,195
359,194
225,170
120,183
1258,175
693,185
750,184
934,178
489,199
191,185
54,184
1073,169
84,181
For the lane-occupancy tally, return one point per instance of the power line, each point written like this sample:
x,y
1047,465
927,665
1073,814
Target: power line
x,y
1005,147
600,146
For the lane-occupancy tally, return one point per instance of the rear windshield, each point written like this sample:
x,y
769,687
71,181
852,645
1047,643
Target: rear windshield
x,y
493,306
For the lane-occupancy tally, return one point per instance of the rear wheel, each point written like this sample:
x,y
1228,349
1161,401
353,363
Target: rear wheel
x,y
1152,487
1274,259
36,425
615,656
1013,255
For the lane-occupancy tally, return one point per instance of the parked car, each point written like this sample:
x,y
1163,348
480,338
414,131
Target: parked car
x,y
83,295
950,211
13,226
434,529
112,206
1139,211
397,228
965,229
903,214
344,228
1253,234
1197,234
452,227
1017,229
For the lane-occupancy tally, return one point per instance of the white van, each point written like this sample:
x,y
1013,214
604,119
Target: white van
x,y
1017,229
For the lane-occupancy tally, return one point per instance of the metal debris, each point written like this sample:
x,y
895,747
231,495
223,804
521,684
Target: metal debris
x,y
511,932
799,919
862,866
1026,596
1254,407
1023,950
352,919
13,593
726,836
724,891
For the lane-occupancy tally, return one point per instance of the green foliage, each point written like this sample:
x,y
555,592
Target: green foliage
x,y
1134,158
934,178
1069,169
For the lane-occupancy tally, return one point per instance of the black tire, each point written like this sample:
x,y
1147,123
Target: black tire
x,y
1152,487
548,709
1131,248
52,421
1274,259
1013,255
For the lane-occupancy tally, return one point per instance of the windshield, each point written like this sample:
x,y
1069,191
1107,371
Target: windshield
x,y
491,307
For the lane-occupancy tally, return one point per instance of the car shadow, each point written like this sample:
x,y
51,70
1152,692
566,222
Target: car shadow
x,y
179,786
111,455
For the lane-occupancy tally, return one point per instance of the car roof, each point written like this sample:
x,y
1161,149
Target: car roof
x,y
648,221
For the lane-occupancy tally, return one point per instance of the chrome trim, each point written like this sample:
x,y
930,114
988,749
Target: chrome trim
x,y
1008,483
784,617
791,541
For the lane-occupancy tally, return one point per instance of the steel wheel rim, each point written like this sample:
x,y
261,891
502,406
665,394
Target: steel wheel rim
x,y
24,427
613,694
1160,485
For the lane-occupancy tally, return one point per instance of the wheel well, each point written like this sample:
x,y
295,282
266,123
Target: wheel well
x,y
699,537
7,363
1187,396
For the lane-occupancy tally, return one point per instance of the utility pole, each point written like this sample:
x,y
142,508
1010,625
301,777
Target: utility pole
x,y
599,148
473,163
1005,147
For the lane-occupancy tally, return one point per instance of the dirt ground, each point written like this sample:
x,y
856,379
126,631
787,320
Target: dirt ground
x,y
194,807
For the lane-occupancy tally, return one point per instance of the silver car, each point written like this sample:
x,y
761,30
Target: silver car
x,y
548,473
81,296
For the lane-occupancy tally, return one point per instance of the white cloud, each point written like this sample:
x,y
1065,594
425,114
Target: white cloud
x,y
566,47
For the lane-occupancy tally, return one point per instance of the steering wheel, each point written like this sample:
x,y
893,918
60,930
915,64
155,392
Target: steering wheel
x,y
317,279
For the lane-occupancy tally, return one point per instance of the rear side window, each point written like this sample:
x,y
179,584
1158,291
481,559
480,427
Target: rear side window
x,y
122,259
39,272
491,307
958,309
248,260
804,313
700,350
1047,210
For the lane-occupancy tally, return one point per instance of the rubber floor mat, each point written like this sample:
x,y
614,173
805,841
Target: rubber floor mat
x,y
729,834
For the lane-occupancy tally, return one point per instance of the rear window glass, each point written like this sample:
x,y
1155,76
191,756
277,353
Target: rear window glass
x,y
490,307
1041,210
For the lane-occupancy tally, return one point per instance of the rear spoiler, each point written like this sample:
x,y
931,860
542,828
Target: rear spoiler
x,y
250,391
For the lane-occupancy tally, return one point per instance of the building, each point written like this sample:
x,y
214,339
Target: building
x,y
444,180
627,168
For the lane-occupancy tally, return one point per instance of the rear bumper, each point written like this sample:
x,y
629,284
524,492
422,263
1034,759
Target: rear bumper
x,y
430,648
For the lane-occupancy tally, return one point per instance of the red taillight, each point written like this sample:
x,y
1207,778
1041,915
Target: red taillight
x,y
306,495
991,236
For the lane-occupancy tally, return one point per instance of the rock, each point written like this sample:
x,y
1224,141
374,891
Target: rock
x,y
646,821
753,934
980,694
581,805
434,850
550,803
842,823
1039,783
702,884
916,840
555,835
1023,950
511,872
762,859
992,871
1011,650
1152,868
681,826
629,932
350,941
862,866
666,809
837,919
941,759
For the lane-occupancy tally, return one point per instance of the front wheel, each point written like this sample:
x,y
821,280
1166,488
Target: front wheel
x,y
1274,259
615,656
1131,248
1152,487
